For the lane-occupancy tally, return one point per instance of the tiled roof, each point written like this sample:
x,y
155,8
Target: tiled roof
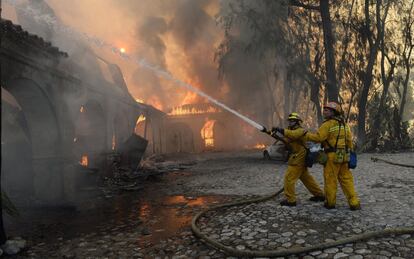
x,y
13,31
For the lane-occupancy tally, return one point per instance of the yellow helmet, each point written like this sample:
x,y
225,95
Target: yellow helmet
x,y
294,116
334,106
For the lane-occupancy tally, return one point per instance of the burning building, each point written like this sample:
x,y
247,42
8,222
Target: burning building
x,y
199,127
59,114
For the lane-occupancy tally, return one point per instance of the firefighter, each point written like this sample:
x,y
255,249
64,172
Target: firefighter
x,y
295,139
336,138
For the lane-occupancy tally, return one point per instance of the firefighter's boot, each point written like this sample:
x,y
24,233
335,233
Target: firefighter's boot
x,y
317,198
329,207
355,207
287,203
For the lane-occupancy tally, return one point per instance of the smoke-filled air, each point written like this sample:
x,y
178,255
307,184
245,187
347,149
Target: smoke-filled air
x,y
124,120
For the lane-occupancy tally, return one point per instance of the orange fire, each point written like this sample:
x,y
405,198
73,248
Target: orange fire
x,y
193,110
207,133
155,101
190,97
84,161
82,109
259,146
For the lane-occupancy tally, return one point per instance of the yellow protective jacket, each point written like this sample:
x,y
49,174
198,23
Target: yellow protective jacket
x,y
296,141
328,133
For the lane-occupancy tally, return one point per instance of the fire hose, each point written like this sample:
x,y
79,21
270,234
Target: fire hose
x,y
375,159
230,251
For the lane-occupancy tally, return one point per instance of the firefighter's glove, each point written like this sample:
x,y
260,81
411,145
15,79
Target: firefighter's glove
x,y
277,129
264,130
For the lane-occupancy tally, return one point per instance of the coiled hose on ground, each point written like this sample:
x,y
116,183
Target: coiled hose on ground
x,y
292,251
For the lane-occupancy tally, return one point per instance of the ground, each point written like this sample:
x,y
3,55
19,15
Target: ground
x,y
155,221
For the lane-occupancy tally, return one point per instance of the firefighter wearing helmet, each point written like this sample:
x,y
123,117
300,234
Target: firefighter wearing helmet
x,y
294,136
336,138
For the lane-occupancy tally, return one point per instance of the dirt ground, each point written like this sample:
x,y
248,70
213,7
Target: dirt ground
x,y
155,222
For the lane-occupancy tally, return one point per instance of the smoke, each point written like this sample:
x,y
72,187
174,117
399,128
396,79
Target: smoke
x,y
182,40
179,36
250,61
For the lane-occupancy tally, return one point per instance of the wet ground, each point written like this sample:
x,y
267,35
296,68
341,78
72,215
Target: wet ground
x,y
155,222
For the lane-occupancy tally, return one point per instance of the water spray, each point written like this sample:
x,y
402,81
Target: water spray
x,y
54,24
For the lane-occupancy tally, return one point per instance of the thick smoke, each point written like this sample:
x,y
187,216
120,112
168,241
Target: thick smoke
x,y
179,36
190,34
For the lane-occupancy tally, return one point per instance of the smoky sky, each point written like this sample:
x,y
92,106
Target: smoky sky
x,y
179,36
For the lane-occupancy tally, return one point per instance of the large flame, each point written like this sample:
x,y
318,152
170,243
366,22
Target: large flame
x,y
207,133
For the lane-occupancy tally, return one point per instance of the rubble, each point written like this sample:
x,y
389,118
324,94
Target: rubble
x,y
123,178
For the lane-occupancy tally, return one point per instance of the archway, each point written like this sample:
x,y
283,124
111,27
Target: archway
x,y
16,149
41,125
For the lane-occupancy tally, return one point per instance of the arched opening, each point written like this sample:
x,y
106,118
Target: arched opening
x,y
90,135
16,149
40,123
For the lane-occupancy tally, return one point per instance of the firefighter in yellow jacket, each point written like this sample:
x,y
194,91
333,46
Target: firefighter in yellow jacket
x,y
294,136
336,138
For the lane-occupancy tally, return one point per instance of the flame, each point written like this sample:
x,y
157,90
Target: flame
x,y
189,98
140,119
193,110
155,102
84,161
207,133
259,146
82,109
139,100
113,142
122,50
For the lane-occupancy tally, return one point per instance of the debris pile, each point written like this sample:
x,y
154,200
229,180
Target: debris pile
x,y
123,178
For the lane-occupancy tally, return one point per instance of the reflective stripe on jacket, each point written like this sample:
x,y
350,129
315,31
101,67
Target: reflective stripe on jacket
x,y
328,132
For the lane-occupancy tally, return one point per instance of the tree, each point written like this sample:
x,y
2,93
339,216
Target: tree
x,y
328,40
373,48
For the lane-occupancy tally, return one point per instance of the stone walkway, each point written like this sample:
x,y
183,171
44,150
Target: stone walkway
x,y
386,193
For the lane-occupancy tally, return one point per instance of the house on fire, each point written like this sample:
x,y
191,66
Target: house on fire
x,y
58,113
194,128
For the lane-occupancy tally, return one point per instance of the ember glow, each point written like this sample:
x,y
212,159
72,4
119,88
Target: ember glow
x,y
141,118
207,133
113,142
84,161
259,146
